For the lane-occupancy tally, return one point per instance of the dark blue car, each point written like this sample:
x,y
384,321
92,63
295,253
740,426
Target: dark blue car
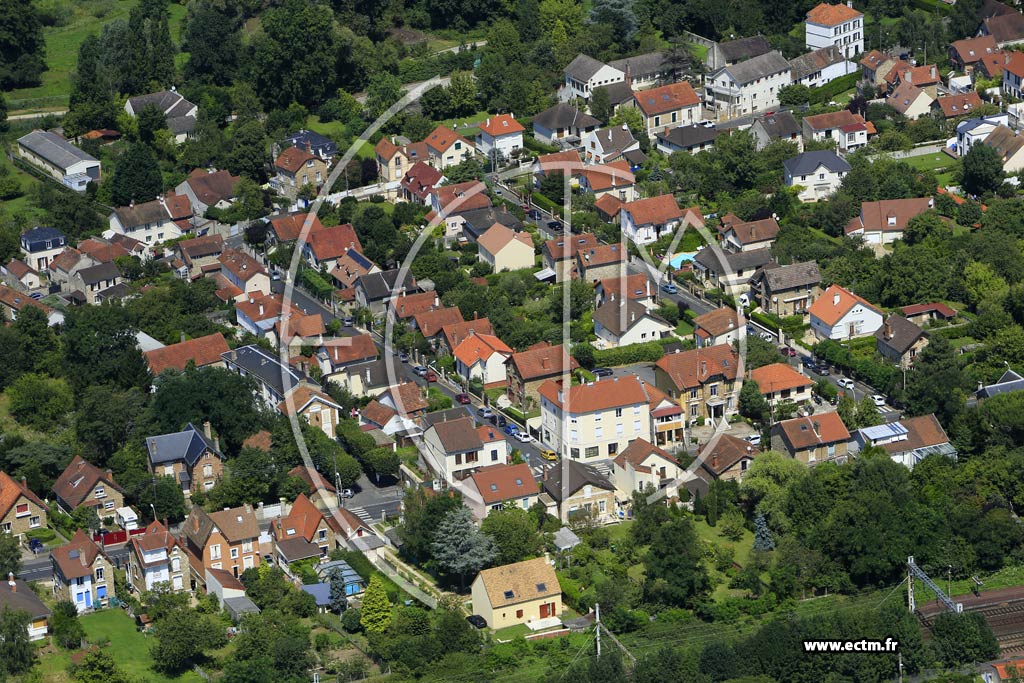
x,y
511,429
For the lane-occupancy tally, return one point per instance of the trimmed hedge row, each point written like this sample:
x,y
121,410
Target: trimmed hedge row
x,y
767,320
648,352
828,91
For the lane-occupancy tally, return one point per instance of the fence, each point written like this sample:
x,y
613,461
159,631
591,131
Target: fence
x,y
115,537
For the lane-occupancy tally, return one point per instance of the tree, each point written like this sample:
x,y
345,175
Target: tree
x,y
17,653
151,52
150,120
270,647
601,104
248,150
91,103
40,402
964,638
339,600
796,94
104,419
461,92
67,630
183,637
97,666
763,540
752,402
10,556
459,547
136,176
982,170
375,614
383,91
675,573
514,534
213,40
86,517
163,493
22,47
3,114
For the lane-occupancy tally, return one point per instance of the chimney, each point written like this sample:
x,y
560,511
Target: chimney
x,y
367,377
849,3
931,202
437,302
629,77
933,71
888,329
544,363
206,429
817,428
216,443
714,461
261,309
703,368
181,337
835,299
647,287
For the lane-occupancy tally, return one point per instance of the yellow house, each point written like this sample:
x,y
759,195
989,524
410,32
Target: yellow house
x,y
519,593
505,249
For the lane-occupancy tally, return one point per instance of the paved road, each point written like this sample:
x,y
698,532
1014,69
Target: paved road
x,y
371,502
443,80
458,48
37,115
310,305
37,569
694,303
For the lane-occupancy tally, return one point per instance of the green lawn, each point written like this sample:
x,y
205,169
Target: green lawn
x,y
19,206
89,16
684,329
930,162
741,554
129,647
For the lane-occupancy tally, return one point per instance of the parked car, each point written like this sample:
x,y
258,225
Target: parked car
x,y
501,420
603,372
511,429
878,400
754,439
669,288
419,370
817,399
523,437
548,454
809,364
845,383
348,321
462,398
35,545
484,412
823,369
404,357
767,336
477,621
347,493
431,376
789,352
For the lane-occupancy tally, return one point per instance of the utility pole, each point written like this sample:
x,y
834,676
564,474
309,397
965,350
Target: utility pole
x,y
899,659
597,610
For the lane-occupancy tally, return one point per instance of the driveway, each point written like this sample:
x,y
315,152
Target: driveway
x,y
371,502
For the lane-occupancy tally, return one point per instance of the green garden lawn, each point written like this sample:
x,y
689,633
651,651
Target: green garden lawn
x,y
128,646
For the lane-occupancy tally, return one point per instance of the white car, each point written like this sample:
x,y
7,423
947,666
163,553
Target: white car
x,y
523,437
845,383
754,439
878,400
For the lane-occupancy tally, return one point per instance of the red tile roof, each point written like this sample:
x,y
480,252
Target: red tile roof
x,y
377,413
480,347
386,149
292,159
778,377
11,491
832,15
601,255
1014,63
718,321
690,369
302,520
815,430
211,188
562,248
635,286
421,179
408,305
502,124
261,440
592,397
940,308
75,558
609,205
302,396
830,310
638,451
874,59
460,197
971,50
499,236
835,119
240,264
102,251
609,176
315,480
78,479
260,306
755,231
456,333
408,397
504,482
18,268
653,210
288,228
351,349
875,216
333,242
201,350
442,137
959,105
718,457
667,98
539,361
431,322
568,162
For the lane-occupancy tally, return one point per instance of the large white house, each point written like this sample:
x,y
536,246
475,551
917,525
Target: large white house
x,y
624,321
597,420
645,220
482,357
841,314
502,134
838,25
818,174
748,87
59,158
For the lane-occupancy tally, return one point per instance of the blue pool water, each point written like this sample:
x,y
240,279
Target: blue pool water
x,y
680,258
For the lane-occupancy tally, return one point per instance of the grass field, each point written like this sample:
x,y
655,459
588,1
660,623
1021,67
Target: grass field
x,y
19,206
129,648
931,162
88,17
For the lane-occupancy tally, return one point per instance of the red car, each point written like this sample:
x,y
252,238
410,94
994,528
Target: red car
x,y
789,351
431,376
462,398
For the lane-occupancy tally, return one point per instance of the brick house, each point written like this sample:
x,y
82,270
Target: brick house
x,y
20,509
899,340
702,381
295,168
727,458
157,557
226,539
528,369
812,439
82,483
191,456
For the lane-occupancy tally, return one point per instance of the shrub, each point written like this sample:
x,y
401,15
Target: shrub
x,y
350,620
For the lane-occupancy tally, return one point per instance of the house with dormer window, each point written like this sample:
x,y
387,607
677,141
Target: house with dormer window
x,y
82,573
156,558
517,593
82,483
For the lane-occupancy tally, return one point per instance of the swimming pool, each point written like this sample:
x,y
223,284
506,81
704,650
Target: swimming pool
x,y
680,258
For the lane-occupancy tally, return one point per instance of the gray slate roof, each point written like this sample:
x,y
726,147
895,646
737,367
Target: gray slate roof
x,y
23,599
99,273
142,214
455,413
781,124
816,60
380,285
615,138
479,221
739,261
564,115
808,162
782,278
583,68
266,367
610,316
168,102
904,333
758,67
618,93
744,48
1010,381
186,445
641,66
688,136
54,149
239,606
576,475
